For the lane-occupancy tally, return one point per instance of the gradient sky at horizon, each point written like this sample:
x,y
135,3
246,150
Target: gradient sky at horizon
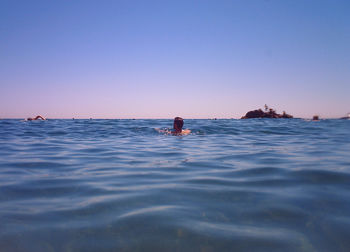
x,y
161,59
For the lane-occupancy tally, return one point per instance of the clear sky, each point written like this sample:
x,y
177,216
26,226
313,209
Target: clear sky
x,y
161,59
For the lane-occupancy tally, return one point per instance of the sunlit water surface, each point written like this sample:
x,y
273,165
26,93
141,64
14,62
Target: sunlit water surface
x,y
119,185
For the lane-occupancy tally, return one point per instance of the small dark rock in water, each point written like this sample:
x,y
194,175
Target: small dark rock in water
x,y
315,118
346,117
269,113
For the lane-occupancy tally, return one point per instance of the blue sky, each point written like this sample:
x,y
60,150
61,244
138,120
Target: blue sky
x,y
161,59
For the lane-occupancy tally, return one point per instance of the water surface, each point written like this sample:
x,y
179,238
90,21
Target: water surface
x,y
119,185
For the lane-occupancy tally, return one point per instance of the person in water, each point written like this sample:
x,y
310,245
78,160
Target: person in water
x,y
178,124
36,118
177,130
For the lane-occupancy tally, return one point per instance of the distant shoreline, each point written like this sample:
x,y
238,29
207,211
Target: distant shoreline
x,y
217,118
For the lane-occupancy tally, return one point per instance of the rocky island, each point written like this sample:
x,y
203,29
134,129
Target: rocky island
x,y
346,117
268,113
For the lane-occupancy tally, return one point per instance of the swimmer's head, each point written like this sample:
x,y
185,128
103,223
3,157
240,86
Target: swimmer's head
x,y
178,124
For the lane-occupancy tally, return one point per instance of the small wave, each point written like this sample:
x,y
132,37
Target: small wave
x,y
147,211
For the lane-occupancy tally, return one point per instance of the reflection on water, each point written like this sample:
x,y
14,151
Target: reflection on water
x,y
119,185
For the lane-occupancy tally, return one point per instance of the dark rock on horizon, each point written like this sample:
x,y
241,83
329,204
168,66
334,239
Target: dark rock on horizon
x,y
346,117
269,113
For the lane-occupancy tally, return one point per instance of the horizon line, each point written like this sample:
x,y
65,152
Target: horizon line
x,y
144,118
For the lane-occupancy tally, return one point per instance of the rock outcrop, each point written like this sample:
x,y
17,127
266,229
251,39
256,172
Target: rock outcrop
x,y
268,113
346,117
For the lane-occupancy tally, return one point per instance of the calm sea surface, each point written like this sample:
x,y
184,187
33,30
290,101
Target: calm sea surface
x,y
119,185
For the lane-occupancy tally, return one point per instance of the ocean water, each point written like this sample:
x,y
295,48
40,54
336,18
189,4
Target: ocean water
x,y
119,185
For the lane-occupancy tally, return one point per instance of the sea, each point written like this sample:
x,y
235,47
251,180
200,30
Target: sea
x,y
125,185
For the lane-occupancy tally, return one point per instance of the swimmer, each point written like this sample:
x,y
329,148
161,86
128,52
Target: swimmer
x,y
36,118
178,124
177,131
